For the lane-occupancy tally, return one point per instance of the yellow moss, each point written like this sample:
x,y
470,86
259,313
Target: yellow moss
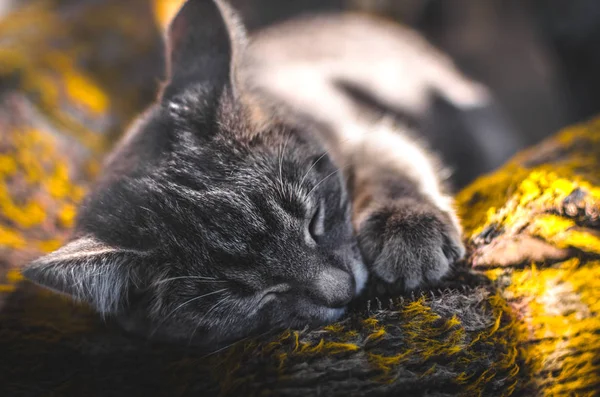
x,y
33,150
503,332
453,322
296,340
582,240
337,347
165,10
377,330
500,307
92,168
24,216
323,347
512,198
51,75
494,274
282,358
426,335
351,334
14,276
370,322
50,245
271,346
549,226
429,372
67,214
11,238
58,184
335,328
83,90
8,165
561,315
386,363
38,197
463,377
7,288
309,349
376,335
476,387
480,199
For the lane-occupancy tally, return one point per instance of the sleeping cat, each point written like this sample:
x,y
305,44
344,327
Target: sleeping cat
x,y
231,207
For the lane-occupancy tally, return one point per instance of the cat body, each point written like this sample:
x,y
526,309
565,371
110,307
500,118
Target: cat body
x,y
257,195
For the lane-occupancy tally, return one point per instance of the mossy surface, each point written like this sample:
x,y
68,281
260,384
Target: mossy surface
x,y
523,322
534,229
73,76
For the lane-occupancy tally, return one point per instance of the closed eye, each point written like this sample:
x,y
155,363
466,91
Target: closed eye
x,y
316,226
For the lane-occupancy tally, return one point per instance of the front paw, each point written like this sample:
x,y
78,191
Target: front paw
x,y
409,243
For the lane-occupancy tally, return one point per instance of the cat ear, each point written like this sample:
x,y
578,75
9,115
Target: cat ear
x,y
89,271
204,41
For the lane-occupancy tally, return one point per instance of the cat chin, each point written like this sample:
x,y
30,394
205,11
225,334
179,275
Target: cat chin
x,y
316,316
178,335
301,313
280,312
332,314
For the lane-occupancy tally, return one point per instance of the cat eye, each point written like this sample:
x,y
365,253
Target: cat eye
x,y
316,226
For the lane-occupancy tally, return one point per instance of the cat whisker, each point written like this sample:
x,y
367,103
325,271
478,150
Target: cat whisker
x,y
219,303
238,341
194,299
214,307
319,159
205,279
312,166
383,119
281,160
325,178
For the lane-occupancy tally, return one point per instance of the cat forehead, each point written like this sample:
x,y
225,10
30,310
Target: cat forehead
x,y
207,175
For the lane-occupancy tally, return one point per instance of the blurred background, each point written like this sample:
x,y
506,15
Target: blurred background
x,y
539,57
75,73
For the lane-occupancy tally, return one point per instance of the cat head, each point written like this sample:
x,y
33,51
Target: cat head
x,y
210,223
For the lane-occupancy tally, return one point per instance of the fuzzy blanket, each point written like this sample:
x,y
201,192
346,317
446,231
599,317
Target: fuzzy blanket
x,y
519,317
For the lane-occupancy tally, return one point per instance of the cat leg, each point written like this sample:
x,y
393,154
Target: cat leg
x,y
408,232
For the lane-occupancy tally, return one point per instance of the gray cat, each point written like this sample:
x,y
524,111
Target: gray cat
x,y
257,193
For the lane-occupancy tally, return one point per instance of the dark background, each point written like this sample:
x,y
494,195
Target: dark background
x,y
540,57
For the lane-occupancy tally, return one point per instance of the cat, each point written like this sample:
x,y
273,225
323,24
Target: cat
x,y
223,213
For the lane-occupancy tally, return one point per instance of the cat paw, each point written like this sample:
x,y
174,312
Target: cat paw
x,y
408,244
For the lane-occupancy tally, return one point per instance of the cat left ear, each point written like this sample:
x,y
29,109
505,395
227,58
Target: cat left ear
x,y
204,41
89,271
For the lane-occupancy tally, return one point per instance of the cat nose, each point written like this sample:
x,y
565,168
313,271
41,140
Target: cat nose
x,y
333,288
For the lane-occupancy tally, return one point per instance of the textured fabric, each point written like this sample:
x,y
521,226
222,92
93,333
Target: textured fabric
x,y
525,322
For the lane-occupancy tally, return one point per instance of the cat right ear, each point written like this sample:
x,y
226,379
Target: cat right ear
x,y
89,271
204,41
